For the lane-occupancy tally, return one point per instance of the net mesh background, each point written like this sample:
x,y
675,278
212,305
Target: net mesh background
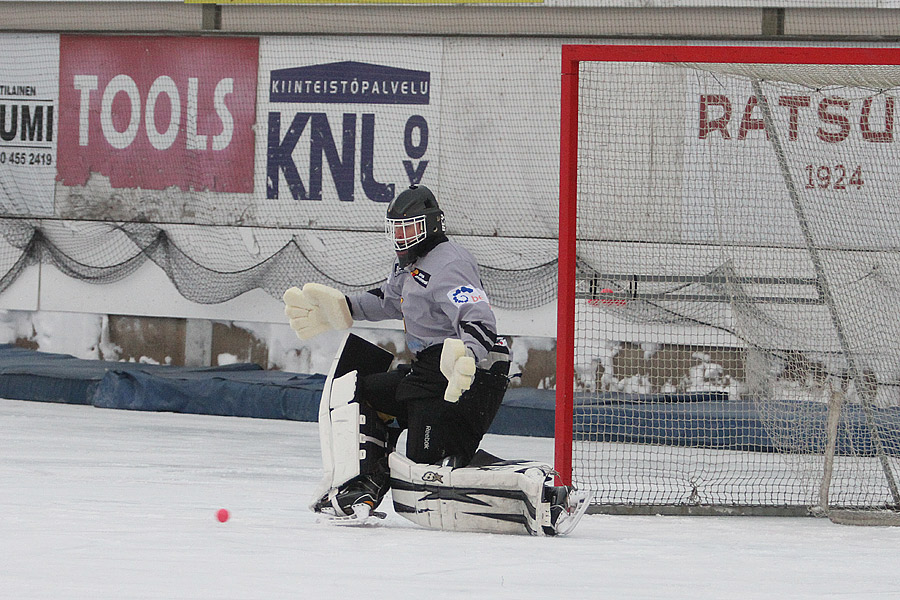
x,y
749,208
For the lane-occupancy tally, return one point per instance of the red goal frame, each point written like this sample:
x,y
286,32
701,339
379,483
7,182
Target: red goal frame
x,y
572,57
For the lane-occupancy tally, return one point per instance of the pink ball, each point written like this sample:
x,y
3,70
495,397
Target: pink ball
x,y
222,515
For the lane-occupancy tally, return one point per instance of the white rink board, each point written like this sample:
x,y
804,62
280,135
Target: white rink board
x,y
149,292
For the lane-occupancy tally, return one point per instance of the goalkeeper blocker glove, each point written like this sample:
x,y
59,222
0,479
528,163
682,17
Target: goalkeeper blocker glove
x,y
458,366
315,309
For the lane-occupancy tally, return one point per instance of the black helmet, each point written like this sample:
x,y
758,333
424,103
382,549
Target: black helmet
x,y
412,219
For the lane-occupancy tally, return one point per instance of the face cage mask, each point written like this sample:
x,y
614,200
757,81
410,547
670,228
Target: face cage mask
x,y
405,233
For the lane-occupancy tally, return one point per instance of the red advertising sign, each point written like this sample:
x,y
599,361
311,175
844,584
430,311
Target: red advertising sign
x,y
156,112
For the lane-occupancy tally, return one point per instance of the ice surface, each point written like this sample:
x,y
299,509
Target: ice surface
x,y
106,504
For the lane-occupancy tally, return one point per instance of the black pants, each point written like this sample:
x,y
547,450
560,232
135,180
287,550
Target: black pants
x,y
414,395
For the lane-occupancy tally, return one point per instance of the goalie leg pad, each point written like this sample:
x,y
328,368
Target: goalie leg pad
x,y
354,444
501,497
359,437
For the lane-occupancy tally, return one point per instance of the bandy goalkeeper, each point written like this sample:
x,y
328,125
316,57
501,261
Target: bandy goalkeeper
x,y
446,398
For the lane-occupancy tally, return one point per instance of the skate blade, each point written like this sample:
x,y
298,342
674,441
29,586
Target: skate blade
x,y
362,514
578,503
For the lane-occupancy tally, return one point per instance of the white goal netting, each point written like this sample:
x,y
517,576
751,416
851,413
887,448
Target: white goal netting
x,y
738,264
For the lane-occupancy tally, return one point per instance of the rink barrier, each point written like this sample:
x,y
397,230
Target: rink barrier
x,y
241,390
696,419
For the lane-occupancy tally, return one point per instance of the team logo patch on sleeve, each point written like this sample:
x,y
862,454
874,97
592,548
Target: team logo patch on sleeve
x,y
467,294
420,277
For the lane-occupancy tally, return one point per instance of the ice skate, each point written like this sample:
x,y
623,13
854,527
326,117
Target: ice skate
x,y
355,502
567,506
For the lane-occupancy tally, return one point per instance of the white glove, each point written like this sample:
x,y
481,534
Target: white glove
x,y
315,309
458,366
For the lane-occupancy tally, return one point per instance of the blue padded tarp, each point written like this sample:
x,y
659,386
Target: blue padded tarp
x,y
235,390
31,375
236,393
706,419
243,390
702,420
526,411
710,420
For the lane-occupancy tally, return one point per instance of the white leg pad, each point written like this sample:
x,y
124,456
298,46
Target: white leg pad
x,y
350,444
338,434
501,498
345,434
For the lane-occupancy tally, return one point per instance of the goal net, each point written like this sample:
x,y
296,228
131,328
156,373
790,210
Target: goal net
x,y
729,334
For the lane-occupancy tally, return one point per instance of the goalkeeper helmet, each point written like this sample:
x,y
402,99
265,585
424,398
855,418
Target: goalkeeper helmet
x,y
414,220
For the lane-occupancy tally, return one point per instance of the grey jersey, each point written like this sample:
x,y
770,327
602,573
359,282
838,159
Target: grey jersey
x,y
439,296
